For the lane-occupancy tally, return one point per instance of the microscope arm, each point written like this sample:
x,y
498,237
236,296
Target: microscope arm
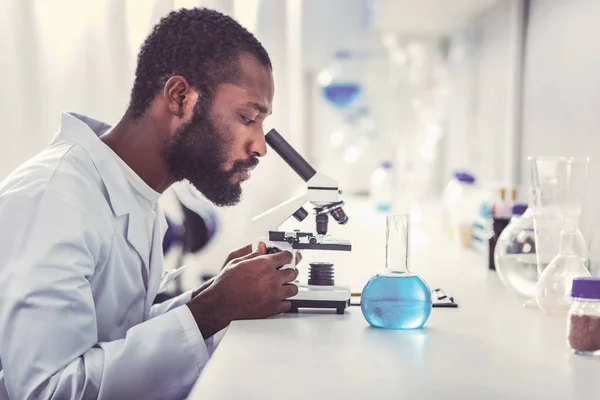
x,y
321,190
271,219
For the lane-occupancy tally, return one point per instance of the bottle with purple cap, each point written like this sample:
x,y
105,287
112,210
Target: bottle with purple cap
x,y
583,324
461,205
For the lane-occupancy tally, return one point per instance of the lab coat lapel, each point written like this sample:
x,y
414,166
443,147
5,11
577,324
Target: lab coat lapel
x,y
156,257
119,194
138,240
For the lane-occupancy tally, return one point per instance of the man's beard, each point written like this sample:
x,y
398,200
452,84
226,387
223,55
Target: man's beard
x,y
198,151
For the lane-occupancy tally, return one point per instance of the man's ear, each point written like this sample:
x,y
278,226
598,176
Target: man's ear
x,y
180,97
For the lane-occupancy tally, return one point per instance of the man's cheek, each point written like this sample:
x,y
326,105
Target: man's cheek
x,y
228,166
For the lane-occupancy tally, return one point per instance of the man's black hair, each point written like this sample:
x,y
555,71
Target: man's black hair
x,y
199,44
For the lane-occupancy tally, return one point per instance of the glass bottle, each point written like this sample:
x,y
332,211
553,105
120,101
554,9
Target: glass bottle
x,y
396,298
515,253
583,324
382,189
554,286
557,186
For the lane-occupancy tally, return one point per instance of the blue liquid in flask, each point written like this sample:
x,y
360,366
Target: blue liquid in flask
x,y
341,94
396,301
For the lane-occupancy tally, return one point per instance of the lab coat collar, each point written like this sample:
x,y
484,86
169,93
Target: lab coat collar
x,y
85,132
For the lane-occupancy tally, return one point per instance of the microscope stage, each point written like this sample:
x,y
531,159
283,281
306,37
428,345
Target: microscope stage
x,y
338,245
308,241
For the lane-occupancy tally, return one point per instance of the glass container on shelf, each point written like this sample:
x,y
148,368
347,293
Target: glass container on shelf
x,y
462,202
557,185
382,187
340,83
396,298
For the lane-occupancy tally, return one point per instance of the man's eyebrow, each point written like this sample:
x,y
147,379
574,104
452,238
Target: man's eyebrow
x,y
260,108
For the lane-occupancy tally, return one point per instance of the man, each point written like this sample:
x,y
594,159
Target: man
x,y
81,231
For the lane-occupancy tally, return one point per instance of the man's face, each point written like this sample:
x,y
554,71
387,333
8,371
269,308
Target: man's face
x,y
220,145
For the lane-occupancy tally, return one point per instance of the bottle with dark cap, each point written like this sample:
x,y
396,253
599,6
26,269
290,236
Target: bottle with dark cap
x,y
583,324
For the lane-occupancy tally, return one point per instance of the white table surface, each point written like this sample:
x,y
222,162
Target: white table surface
x,y
491,347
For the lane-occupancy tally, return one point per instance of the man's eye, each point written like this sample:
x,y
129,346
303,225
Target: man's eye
x,y
247,121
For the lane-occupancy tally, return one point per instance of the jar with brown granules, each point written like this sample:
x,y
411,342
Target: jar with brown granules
x,y
583,325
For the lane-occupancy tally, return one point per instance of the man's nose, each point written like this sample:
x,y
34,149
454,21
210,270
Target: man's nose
x,y
258,145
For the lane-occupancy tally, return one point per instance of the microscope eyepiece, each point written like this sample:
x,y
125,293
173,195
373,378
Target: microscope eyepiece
x,y
290,155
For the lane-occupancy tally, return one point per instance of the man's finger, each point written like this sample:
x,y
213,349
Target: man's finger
x,y
284,306
241,251
238,253
298,257
261,249
276,260
288,275
289,290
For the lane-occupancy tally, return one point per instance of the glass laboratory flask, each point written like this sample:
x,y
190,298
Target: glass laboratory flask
x,y
515,253
396,298
557,186
340,83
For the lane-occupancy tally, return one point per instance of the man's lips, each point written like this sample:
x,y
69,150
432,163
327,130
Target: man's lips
x,y
246,172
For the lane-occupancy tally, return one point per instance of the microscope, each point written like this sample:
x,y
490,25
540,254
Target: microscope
x,y
323,194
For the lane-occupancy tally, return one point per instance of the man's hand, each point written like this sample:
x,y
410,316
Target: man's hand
x,y
249,287
241,252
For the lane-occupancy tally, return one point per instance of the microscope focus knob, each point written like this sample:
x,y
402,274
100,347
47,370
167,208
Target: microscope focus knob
x,y
300,214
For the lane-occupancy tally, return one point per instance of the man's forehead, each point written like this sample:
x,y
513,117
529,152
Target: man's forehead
x,y
255,77
243,94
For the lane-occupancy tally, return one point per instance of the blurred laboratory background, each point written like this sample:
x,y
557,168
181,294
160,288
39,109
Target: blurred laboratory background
x,y
427,107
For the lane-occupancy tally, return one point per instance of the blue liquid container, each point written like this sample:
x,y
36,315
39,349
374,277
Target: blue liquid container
x,y
382,187
396,301
396,298
341,94
384,207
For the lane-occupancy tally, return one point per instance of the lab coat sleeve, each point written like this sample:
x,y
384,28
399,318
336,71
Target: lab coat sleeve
x,y
48,334
168,305
171,304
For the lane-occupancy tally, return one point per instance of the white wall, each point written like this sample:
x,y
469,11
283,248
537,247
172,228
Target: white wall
x,y
562,89
480,119
342,25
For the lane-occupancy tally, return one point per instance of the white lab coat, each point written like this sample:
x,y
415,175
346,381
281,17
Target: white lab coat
x,y
77,281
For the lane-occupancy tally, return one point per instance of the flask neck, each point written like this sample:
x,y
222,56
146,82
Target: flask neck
x,y
567,243
397,243
568,237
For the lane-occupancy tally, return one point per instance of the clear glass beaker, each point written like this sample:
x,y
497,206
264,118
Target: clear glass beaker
x,y
396,298
557,186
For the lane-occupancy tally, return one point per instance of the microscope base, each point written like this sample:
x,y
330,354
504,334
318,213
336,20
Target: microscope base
x,y
309,296
339,306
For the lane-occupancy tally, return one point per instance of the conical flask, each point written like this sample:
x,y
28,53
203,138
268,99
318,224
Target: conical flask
x,y
557,186
396,298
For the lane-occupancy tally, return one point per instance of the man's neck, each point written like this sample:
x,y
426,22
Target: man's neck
x,y
138,145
